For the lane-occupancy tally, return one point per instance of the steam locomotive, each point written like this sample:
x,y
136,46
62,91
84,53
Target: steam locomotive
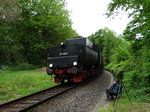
x,y
74,60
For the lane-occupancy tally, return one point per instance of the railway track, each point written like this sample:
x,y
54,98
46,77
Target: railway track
x,y
30,101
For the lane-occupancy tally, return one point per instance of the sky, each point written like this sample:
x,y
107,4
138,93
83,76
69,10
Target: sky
x,y
88,17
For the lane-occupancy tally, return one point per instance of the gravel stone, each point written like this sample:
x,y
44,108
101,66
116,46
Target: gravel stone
x,y
80,99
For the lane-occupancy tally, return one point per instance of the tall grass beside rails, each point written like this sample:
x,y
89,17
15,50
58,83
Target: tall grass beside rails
x,y
123,105
15,84
23,66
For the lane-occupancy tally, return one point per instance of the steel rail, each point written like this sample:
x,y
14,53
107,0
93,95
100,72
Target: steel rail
x,y
27,102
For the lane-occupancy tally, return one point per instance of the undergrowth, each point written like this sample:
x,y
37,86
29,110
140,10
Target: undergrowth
x,y
23,66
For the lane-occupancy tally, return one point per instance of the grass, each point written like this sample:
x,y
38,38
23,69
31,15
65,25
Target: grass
x,y
23,66
15,84
124,105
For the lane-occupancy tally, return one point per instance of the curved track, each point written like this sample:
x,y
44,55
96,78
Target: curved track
x,y
27,102
83,98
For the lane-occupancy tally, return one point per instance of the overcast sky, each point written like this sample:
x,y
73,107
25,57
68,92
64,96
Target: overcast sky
x,y
88,17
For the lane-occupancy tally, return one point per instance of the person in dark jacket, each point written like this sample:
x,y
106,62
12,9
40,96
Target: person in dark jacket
x,y
113,90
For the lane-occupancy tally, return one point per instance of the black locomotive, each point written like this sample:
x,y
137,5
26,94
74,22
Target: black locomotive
x,y
74,60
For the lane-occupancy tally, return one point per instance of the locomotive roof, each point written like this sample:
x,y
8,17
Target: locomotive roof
x,y
80,41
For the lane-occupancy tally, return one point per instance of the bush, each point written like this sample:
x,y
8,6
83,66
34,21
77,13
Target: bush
x,y
24,66
141,94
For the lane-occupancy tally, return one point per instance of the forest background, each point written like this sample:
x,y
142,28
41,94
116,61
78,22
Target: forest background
x,y
29,27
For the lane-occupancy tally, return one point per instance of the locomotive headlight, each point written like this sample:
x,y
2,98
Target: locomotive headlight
x,y
50,65
62,45
75,63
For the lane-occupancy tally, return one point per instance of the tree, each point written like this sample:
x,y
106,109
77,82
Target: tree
x,y
138,33
39,25
140,11
107,41
44,23
9,11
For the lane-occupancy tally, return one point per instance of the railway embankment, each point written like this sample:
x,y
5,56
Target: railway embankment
x,y
87,97
84,98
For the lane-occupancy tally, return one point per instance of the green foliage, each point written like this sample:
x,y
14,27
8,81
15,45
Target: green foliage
x,y
121,57
9,11
137,94
115,49
138,29
107,41
45,23
40,25
23,66
10,50
137,70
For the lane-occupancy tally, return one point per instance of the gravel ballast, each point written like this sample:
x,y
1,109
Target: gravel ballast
x,y
84,98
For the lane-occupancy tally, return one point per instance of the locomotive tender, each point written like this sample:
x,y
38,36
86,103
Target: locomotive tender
x,y
74,60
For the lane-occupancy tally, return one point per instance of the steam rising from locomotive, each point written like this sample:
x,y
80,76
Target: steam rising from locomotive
x,y
74,60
